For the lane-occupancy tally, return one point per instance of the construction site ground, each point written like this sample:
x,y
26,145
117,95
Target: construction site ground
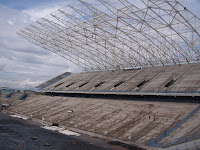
x,y
137,122
28,135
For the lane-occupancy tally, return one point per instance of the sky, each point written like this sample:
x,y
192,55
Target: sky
x,y
25,65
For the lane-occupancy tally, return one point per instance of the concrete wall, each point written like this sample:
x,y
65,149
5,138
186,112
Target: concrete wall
x,y
49,82
186,78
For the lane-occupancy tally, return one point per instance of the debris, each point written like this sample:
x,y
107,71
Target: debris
x,y
5,105
129,137
20,117
63,128
105,132
55,124
34,138
60,130
46,144
67,132
70,111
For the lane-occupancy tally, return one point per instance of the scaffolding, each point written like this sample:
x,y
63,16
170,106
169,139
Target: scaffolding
x,y
119,34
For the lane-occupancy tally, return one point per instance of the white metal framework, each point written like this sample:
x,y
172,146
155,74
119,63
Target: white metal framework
x,y
119,34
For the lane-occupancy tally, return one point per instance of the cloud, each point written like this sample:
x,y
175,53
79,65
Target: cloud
x,y
45,8
27,4
21,62
37,13
1,67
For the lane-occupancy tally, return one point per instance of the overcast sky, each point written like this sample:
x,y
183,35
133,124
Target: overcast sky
x,y
21,62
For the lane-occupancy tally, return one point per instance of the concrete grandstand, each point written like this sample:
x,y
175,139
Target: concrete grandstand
x,y
141,84
174,78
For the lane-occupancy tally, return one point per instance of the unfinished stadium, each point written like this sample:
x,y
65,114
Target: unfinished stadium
x,y
140,83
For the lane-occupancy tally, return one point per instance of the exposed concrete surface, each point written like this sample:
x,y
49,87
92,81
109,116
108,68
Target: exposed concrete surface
x,y
133,121
184,77
49,82
191,145
190,127
193,94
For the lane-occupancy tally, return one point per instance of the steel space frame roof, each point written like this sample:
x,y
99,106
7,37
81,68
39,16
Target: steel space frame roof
x,y
119,34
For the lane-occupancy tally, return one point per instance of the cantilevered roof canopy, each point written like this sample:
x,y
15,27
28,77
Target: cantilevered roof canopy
x,y
119,34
